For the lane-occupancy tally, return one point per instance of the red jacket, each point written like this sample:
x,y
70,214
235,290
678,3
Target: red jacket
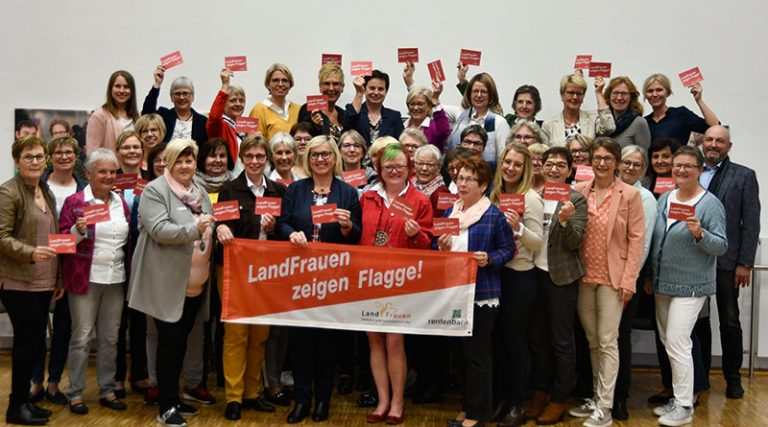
x,y
376,216
218,128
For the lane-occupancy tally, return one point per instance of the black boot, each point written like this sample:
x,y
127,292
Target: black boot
x,y
24,415
299,412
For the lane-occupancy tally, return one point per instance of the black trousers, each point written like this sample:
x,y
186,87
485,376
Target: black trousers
x,y
314,363
134,323
62,331
28,312
551,338
171,346
731,335
478,354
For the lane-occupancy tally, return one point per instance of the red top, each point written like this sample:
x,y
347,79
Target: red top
x,y
216,127
377,217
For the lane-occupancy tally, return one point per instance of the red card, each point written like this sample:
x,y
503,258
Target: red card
x,y
95,214
582,62
62,243
362,68
664,184
584,173
469,57
512,202
445,200
284,181
324,214
268,205
557,192
140,184
449,226
436,71
317,102
355,178
225,211
331,58
681,211
691,77
126,181
600,69
407,54
247,125
402,208
236,63
172,59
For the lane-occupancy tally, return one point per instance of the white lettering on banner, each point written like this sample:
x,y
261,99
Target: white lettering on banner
x,y
298,265
320,289
389,278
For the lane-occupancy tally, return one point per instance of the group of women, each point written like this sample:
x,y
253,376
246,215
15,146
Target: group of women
x,y
540,267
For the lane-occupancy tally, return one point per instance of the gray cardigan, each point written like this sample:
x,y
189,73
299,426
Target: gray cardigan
x,y
637,133
683,267
163,256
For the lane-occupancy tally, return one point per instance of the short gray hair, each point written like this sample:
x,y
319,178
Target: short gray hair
x,y
632,149
180,82
541,137
100,155
415,134
283,138
431,150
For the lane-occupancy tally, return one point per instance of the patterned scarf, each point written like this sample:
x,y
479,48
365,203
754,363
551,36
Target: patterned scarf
x,y
190,196
429,187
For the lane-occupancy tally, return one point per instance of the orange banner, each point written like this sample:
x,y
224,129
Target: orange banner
x,y
348,287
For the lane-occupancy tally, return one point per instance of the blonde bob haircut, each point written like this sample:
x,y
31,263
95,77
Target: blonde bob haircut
x,y
235,90
574,79
378,145
316,142
328,70
147,119
255,140
277,67
179,147
417,91
660,79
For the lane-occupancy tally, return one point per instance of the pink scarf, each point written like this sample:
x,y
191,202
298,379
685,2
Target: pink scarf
x,y
190,196
471,215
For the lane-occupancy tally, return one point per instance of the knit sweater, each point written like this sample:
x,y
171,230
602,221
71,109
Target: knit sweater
x,y
683,267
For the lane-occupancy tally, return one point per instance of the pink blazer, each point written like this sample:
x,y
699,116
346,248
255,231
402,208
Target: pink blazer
x,y
626,233
102,131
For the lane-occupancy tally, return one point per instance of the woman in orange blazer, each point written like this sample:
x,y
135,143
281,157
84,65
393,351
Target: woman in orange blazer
x,y
612,250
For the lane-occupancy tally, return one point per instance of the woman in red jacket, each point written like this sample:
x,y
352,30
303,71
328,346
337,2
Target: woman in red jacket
x,y
228,105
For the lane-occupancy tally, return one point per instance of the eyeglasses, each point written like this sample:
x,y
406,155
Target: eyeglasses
x,y
393,168
631,165
27,158
579,151
526,138
257,157
620,94
149,130
181,94
325,155
472,143
425,165
536,160
559,165
63,154
685,166
302,138
572,94
348,145
596,160
479,92
466,179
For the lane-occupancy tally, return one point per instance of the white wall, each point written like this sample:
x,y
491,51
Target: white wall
x,y
59,54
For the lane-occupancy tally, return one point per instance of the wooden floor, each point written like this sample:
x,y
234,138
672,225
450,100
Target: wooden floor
x,y
714,410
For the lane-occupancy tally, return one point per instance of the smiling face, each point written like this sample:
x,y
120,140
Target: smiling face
x,y
101,177
525,108
426,167
469,188
332,86
632,168
58,130
394,172
512,168
656,95
604,164
121,92
685,171
216,162
375,91
537,162
351,151
279,84
254,160
479,95
525,135
158,164
322,160
580,154
620,98
716,145
661,161
129,154
151,136
31,164
572,97
410,145
284,159
302,139
419,108
182,98
184,169
556,169
235,106
63,158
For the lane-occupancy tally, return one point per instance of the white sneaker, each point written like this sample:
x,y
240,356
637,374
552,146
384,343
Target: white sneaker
x,y
665,409
678,416
599,418
583,411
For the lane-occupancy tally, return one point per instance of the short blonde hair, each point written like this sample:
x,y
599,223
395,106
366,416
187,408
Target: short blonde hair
x,y
178,147
378,145
147,119
255,140
420,91
236,90
277,67
574,79
328,70
316,142
660,79
125,136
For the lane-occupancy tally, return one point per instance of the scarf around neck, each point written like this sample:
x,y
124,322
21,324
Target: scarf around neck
x,y
623,121
429,187
190,196
468,217
211,184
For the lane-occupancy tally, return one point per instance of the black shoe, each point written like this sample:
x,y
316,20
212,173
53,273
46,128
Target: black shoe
x,y
120,394
499,411
368,400
138,389
299,412
258,404
23,415
233,411
280,398
660,399
38,411
345,384
59,398
619,410
454,423
734,390
37,397
513,417
78,408
321,412
171,418
186,410
113,404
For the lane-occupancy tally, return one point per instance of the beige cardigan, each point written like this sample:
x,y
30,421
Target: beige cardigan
x,y
592,124
102,131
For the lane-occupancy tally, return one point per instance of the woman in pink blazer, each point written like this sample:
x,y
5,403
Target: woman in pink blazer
x,y
611,251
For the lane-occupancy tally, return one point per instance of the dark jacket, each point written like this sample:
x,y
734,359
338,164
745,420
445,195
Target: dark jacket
x,y
306,116
199,133
391,122
563,259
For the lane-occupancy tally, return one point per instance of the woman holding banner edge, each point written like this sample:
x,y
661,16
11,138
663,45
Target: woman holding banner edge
x,y
383,228
314,360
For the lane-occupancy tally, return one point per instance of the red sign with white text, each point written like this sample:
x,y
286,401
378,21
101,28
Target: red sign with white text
x,y
361,68
407,54
355,178
512,202
331,58
268,205
317,102
680,211
247,125
95,214
664,184
582,62
126,181
584,173
62,243
236,63
226,211
324,214
691,77
446,200
172,59
449,226
469,57
600,69
557,192
402,208
436,71
140,184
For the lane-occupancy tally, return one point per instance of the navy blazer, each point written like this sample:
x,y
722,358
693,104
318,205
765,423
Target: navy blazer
x,y
738,192
391,122
199,134
296,213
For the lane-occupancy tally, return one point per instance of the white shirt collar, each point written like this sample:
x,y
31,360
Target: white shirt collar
x,y
251,185
274,107
88,195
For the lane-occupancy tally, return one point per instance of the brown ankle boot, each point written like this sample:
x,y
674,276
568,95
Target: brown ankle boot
x,y
538,401
552,414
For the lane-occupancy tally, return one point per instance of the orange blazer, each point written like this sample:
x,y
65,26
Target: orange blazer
x,y
626,233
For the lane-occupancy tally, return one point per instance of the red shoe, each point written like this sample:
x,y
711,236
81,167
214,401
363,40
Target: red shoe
x,y
198,394
150,399
393,420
